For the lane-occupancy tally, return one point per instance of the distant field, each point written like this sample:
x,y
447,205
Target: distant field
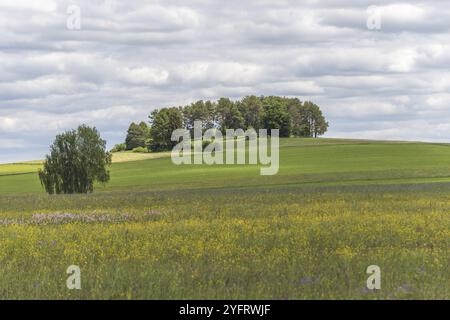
x,y
163,231
8,169
131,156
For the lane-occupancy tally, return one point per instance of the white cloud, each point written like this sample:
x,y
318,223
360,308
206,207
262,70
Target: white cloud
x,y
29,5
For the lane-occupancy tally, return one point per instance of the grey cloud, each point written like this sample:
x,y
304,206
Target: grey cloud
x,y
133,56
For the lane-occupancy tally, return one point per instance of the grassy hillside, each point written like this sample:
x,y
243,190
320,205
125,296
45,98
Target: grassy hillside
x,y
163,231
303,161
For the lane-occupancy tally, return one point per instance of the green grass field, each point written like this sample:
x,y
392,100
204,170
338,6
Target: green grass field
x,y
160,231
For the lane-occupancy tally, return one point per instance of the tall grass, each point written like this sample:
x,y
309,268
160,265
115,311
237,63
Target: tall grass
x,y
164,232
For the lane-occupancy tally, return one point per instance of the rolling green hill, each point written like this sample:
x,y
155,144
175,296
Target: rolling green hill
x,y
303,161
160,231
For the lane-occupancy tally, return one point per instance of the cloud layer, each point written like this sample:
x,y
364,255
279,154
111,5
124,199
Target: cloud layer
x,y
130,57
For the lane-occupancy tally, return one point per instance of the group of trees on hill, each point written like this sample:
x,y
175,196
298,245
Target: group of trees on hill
x,y
78,158
291,116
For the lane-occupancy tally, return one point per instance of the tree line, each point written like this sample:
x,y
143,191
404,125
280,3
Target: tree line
x,y
290,115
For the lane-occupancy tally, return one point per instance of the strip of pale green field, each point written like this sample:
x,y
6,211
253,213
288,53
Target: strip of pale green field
x,y
19,168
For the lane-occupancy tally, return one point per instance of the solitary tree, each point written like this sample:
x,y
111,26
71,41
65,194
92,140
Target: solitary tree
x,y
77,159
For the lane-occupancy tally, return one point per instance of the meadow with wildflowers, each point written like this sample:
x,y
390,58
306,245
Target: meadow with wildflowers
x,y
159,231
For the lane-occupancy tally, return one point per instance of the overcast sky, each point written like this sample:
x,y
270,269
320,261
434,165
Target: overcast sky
x,y
130,57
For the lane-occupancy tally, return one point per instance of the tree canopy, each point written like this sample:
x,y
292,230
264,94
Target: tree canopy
x,y
77,159
138,135
291,116
164,122
276,116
